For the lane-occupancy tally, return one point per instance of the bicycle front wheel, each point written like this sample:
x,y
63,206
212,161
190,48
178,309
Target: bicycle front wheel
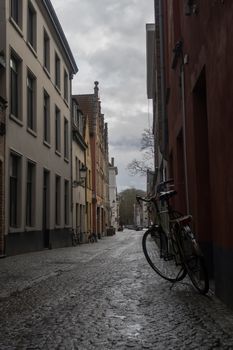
x,y
165,262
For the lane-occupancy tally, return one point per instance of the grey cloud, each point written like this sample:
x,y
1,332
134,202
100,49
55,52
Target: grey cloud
x,y
107,38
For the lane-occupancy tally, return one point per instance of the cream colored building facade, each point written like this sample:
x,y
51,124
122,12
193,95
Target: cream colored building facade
x,y
79,148
89,188
39,68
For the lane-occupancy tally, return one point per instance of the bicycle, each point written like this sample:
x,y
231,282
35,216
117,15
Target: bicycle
x,y
92,237
76,236
170,246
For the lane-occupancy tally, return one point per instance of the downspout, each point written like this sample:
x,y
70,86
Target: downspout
x,y
178,53
184,131
162,71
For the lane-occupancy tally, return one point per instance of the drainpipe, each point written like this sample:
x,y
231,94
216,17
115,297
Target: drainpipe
x,y
162,72
178,53
184,131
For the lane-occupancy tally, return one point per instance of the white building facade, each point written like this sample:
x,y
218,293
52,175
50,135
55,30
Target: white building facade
x,y
37,82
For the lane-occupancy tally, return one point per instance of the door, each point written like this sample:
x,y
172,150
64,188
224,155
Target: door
x,y
45,226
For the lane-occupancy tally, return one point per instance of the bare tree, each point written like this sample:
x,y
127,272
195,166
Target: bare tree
x,y
140,167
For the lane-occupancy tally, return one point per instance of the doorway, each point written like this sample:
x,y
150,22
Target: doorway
x,y
45,221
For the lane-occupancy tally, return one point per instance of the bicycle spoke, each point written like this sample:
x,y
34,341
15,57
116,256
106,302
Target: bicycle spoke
x,y
164,262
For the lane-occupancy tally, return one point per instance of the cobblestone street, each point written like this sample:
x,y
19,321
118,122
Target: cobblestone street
x,y
104,296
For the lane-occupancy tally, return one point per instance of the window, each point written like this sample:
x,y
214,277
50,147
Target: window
x,y
66,138
76,169
57,71
75,120
31,26
16,10
57,200
15,80
46,117
57,129
30,195
31,101
65,85
14,190
66,202
46,51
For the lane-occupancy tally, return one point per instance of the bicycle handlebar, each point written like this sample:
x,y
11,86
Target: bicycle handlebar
x,y
162,185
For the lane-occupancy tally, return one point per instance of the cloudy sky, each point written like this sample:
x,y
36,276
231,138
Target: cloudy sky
x,y
107,38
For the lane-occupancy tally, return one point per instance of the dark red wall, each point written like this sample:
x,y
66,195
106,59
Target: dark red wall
x,y
207,40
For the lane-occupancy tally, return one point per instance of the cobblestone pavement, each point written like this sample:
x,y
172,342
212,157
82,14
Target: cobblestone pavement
x,y
104,296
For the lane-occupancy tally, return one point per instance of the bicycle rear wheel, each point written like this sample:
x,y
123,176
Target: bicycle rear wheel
x,y
165,264
194,261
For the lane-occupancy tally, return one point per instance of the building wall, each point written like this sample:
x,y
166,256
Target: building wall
x,y
209,124
30,145
89,188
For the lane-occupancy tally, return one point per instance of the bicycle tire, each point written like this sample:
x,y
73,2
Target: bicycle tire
x,y
194,262
169,269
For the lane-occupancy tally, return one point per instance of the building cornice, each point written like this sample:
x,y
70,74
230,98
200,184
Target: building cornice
x,y
59,31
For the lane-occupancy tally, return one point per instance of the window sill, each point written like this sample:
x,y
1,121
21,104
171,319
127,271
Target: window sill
x,y
15,229
29,228
66,102
16,26
58,89
46,144
47,72
32,132
32,49
17,120
58,153
57,226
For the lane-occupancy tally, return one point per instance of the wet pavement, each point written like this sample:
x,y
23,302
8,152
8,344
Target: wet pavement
x,y
104,296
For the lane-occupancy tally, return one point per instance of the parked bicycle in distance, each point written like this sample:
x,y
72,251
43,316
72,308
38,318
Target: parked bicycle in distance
x,y
170,245
76,236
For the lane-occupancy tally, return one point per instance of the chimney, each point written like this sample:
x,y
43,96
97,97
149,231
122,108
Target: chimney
x,y
96,88
112,161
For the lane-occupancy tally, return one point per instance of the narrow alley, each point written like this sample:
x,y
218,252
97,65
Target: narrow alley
x,y
104,296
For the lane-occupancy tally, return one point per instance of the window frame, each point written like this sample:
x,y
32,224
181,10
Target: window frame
x,y
15,181
66,138
15,103
31,26
57,200
31,97
16,12
46,115
57,68
66,86
46,58
30,192
66,202
57,129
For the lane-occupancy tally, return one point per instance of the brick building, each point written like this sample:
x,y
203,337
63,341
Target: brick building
x,y
198,50
91,107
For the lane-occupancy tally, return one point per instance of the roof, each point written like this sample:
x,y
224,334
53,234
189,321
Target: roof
x,y
59,31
